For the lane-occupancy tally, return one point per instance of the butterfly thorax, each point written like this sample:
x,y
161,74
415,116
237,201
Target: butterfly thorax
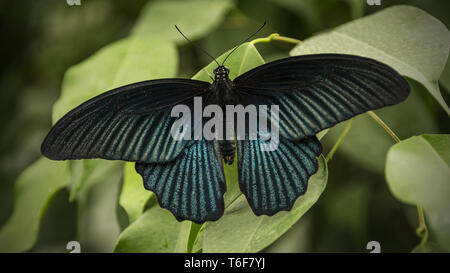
x,y
222,88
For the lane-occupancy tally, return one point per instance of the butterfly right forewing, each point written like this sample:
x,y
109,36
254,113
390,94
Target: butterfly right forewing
x,y
315,92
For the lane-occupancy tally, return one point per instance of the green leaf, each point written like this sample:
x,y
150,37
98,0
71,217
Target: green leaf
x,y
97,223
123,62
239,230
418,172
445,77
408,39
322,133
33,191
242,60
133,196
195,18
356,7
298,239
156,230
81,171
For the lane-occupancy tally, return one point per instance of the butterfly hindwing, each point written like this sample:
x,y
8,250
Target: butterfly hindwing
x,y
131,123
191,186
273,180
315,92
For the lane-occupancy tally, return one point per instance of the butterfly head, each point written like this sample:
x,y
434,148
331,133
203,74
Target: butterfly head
x,y
221,73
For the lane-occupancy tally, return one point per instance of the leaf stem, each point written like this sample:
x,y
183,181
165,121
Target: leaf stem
x,y
287,40
276,37
338,142
422,230
383,125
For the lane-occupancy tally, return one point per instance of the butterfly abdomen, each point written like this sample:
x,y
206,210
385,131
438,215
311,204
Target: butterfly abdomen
x,y
227,149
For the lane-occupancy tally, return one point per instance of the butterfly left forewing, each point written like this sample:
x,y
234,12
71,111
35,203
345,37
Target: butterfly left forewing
x,y
131,123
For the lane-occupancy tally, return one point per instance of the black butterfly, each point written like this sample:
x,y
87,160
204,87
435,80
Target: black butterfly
x,y
133,123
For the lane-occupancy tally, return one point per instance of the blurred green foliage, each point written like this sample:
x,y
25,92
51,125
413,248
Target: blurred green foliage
x,y
45,39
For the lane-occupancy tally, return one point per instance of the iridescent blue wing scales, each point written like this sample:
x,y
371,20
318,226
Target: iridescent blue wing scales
x,y
192,186
273,180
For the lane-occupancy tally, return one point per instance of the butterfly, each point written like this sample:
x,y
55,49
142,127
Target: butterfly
x,y
313,92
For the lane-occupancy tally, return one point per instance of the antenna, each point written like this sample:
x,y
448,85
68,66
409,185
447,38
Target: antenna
x,y
236,47
197,45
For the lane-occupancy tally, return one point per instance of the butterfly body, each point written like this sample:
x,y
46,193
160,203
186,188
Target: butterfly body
x,y
313,92
223,94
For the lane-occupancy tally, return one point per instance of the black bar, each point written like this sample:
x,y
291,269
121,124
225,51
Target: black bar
x,y
226,262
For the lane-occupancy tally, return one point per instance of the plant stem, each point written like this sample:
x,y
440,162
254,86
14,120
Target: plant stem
x,y
287,40
338,142
382,124
422,230
276,37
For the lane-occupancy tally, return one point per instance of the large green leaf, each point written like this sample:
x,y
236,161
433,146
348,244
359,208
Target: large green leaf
x,y
34,189
97,224
418,172
239,230
242,60
81,171
156,230
195,18
445,78
133,196
408,39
